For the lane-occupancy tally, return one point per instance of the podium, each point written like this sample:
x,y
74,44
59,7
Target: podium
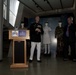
x,y
19,38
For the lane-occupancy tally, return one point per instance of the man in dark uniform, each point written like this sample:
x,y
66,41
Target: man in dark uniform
x,y
69,39
59,36
35,36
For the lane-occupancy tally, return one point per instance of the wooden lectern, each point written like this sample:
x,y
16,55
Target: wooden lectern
x,y
19,38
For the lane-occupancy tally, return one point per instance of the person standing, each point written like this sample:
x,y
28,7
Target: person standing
x,y
69,39
59,36
46,38
36,30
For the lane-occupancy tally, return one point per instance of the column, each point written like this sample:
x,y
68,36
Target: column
x,y
19,15
74,12
1,29
8,5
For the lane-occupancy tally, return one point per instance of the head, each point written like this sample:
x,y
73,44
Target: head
x,y
46,23
22,25
37,18
60,23
70,20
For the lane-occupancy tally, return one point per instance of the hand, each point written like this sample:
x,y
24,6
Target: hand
x,y
38,30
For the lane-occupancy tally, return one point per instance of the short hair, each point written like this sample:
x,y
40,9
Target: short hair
x,y
46,22
22,22
37,16
71,17
60,22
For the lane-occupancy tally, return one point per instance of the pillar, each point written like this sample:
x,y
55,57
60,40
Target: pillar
x,y
8,5
1,29
19,15
74,12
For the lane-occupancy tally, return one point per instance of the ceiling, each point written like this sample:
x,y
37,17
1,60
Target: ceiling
x,y
47,7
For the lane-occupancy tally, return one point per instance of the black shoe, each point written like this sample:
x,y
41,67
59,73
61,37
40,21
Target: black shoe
x,y
30,61
45,54
38,60
49,54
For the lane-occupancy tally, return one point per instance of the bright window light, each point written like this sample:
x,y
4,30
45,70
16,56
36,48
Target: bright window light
x,y
14,4
54,40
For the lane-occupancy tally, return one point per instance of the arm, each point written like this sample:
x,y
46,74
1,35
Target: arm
x,y
56,32
40,30
32,29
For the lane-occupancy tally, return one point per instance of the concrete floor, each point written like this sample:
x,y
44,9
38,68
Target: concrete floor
x,y
48,66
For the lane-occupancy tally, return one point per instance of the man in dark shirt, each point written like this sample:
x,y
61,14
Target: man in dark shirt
x,y
35,36
69,39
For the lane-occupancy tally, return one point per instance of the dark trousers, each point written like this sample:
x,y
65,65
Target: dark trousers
x,y
68,43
